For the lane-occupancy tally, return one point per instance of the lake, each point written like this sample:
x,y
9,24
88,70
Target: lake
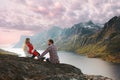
x,y
91,66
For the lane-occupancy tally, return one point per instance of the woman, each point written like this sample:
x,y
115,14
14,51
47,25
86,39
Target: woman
x,y
29,49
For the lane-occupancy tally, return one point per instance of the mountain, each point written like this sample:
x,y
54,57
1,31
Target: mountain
x,y
82,29
77,36
85,38
106,43
41,38
111,34
56,33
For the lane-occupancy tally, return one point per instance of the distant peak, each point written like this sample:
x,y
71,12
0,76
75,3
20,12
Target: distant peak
x,y
89,22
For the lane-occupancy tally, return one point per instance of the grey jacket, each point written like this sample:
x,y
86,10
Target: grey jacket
x,y
52,52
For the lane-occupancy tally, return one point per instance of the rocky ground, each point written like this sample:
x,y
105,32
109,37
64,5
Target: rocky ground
x,y
18,68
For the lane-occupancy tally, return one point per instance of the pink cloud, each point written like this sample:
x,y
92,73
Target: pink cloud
x,y
57,5
49,11
40,9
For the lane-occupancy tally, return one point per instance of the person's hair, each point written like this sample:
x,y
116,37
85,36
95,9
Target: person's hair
x,y
27,40
50,40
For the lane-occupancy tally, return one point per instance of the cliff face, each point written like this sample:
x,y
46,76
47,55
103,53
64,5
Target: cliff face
x,y
110,27
111,34
18,68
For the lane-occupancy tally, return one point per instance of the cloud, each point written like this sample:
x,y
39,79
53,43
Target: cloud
x,y
37,15
27,17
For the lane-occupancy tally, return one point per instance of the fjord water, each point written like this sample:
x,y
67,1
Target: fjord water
x,y
91,66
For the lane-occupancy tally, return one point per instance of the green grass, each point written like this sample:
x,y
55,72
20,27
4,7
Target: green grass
x,y
93,50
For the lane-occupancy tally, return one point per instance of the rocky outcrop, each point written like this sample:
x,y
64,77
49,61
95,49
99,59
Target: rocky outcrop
x,y
19,68
16,68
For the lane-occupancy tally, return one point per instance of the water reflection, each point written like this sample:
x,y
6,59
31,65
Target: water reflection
x,y
91,65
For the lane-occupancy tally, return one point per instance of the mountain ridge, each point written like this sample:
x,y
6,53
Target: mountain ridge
x,y
86,38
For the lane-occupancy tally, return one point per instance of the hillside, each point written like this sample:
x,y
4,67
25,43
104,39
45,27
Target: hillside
x,y
107,42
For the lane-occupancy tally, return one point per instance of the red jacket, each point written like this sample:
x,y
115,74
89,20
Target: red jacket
x,y
32,50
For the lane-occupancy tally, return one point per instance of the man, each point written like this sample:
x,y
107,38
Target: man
x,y
52,52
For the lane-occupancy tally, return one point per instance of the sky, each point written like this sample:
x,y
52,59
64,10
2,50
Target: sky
x,y
28,17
